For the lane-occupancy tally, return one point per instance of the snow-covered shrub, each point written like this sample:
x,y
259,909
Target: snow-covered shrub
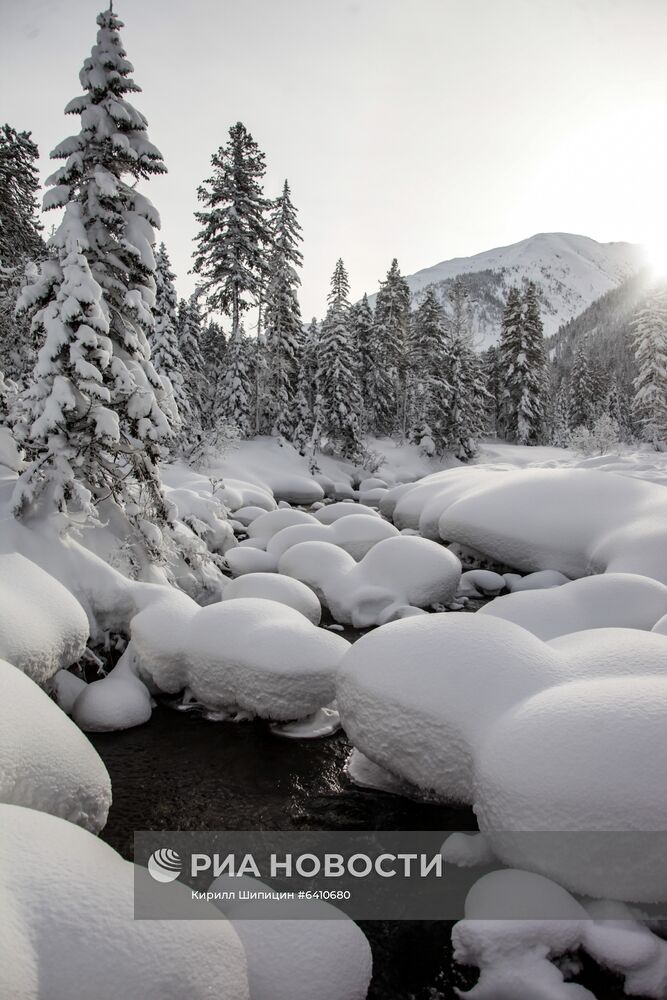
x,y
603,437
46,763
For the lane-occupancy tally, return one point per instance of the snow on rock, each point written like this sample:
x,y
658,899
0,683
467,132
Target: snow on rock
x,y
334,511
661,626
295,489
263,528
273,587
46,763
246,515
544,579
324,956
66,688
481,581
589,755
75,894
395,577
536,519
250,654
118,701
502,934
248,559
517,921
613,599
610,652
356,535
418,696
42,626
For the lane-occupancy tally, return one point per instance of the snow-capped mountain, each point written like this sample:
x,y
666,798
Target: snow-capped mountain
x,y
571,272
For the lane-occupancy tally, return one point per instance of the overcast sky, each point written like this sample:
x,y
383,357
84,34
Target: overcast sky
x,y
422,129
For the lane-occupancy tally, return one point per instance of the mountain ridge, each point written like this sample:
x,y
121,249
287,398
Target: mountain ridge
x,y
571,272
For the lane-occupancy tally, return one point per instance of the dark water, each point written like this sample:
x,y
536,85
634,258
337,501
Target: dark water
x,y
180,771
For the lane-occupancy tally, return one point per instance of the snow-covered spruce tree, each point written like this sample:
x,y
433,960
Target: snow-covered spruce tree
x,y
560,424
234,243
282,317
431,389
491,368
190,332
213,351
165,349
93,418
650,343
338,401
389,353
361,319
522,364
234,402
581,390
20,243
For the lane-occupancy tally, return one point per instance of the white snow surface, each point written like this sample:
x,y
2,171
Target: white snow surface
x,y
396,578
46,763
273,587
67,903
356,535
248,559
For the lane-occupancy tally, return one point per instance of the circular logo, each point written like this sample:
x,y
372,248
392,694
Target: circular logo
x,y
165,865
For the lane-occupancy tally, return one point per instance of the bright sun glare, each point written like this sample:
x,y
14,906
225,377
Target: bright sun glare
x,y
656,254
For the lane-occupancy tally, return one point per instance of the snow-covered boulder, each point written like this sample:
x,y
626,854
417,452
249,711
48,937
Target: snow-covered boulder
x,y
481,581
589,755
250,654
610,652
246,515
324,956
334,511
613,599
263,528
118,701
544,579
46,763
248,559
249,495
295,489
273,587
418,696
67,902
517,923
42,626
395,577
355,535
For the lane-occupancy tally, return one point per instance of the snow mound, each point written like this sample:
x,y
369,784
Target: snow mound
x,y
575,521
76,896
246,515
589,755
334,511
355,535
117,701
46,763
610,652
621,599
205,515
397,576
517,921
418,696
42,626
295,489
249,654
544,579
248,559
263,528
325,956
273,587
481,581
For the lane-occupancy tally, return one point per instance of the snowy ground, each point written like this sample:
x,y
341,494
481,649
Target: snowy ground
x,y
544,711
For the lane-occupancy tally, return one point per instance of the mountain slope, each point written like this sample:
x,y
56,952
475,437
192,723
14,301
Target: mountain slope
x,y
571,272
